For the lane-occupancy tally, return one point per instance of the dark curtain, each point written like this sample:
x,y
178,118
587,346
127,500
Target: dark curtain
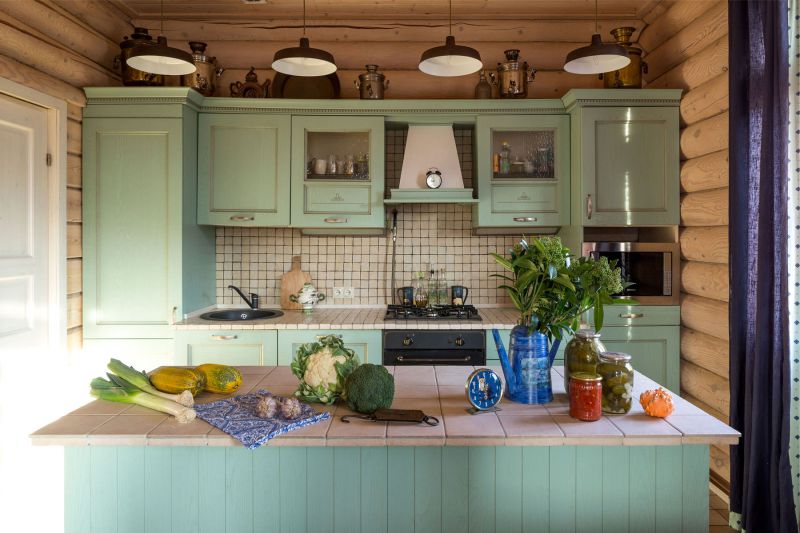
x,y
761,484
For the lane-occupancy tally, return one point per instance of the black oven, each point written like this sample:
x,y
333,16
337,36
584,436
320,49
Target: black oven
x,y
653,269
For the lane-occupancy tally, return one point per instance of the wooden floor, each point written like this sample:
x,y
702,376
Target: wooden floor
x,y
718,515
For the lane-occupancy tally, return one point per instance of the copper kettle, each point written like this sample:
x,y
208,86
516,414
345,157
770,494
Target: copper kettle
x,y
513,77
204,79
130,75
629,77
371,84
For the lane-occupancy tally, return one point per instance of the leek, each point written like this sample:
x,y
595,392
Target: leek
x,y
120,390
140,380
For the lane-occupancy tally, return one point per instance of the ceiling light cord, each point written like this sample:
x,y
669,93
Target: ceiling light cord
x,y
596,27
304,18
450,18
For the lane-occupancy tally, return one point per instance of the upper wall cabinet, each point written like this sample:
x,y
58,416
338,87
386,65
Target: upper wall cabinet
x,y
243,169
523,171
337,172
626,160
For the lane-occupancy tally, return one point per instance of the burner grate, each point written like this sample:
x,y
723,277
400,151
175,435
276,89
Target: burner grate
x,y
432,312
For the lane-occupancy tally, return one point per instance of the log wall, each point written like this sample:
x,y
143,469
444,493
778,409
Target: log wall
x,y
57,47
686,47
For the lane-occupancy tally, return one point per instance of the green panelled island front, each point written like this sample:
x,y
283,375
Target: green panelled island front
x,y
480,489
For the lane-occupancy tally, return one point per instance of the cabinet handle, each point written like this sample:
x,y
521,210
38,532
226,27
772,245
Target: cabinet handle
x,y
224,337
525,219
589,206
174,313
242,218
331,220
318,337
631,315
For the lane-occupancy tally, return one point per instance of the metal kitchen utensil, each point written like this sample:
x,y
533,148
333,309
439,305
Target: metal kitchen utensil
x,y
483,90
396,415
512,78
250,88
204,79
371,84
629,77
130,75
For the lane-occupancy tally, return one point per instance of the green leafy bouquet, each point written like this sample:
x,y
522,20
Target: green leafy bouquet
x,y
552,289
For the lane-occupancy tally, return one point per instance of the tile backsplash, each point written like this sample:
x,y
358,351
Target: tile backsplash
x,y
254,259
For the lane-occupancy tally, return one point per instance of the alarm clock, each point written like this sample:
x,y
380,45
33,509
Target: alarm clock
x,y
484,390
433,178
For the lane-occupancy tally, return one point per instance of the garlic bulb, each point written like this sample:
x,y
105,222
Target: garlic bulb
x,y
290,408
267,406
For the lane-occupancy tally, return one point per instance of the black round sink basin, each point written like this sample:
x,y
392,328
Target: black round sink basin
x,y
241,314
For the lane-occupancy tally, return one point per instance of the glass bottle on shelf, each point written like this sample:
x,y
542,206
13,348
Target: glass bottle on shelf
x,y
433,287
505,159
444,287
420,290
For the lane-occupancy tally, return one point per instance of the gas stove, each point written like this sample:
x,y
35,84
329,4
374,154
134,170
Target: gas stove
x,y
432,312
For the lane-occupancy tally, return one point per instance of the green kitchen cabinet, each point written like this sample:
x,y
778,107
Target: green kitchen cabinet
x,y
368,344
227,347
532,189
654,350
625,158
146,262
243,169
337,173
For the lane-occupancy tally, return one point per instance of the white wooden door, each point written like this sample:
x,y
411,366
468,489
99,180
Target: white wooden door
x,y
24,261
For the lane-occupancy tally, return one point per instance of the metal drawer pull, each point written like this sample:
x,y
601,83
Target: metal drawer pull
x,y
631,315
319,337
402,358
589,206
224,337
242,218
336,220
525,219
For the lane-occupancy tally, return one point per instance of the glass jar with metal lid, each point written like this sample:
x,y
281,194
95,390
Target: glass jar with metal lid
x,y
617,373
585,396
582,354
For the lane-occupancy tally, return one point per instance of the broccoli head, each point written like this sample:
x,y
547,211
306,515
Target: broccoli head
x,y
369,388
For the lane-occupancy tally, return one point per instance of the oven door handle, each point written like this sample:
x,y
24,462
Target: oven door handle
x,y
402,358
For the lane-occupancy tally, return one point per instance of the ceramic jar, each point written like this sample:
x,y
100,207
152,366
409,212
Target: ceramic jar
x,y
308,297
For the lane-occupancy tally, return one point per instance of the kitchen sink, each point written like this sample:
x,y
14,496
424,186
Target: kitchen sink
x,y
239,315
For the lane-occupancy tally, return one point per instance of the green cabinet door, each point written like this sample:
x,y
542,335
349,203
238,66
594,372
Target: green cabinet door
x,y
368,344
535,190
629,166
243,169
337,199
227,347
654,350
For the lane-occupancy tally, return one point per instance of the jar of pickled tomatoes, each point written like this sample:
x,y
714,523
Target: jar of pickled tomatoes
x,y
585,396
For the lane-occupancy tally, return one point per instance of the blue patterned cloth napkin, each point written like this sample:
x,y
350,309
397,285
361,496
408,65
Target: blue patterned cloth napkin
x,y
236,416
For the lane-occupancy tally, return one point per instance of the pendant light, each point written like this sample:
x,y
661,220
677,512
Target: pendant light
x,y
303,60
451,59
160,58
598,57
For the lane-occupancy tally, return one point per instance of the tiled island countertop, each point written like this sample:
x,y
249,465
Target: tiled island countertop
x,y
356,318
438,391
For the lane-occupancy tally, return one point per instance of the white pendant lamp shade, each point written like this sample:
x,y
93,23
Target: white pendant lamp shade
x,y
304,61
450,59
161,59
597,58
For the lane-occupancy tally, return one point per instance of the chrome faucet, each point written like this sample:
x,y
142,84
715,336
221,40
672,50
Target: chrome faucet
x,y
252,302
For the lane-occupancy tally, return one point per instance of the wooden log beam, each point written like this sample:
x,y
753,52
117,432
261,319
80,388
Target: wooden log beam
x,y
698,69
74,213
707,244
74,177
74,339
74,276
677,17
704,137
74,310
706,172
74,144
706,386
98,15
705,351
74,242
705,101
697,35
30,77
720,463
705,208
705,315
709,280
705,407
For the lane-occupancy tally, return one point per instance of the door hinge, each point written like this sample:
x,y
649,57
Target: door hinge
x,y
49,160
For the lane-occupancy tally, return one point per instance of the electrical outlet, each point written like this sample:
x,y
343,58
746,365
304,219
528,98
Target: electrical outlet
x,y
338,292
348,292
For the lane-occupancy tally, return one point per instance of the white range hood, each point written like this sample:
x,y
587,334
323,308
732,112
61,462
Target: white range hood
x,y
430,146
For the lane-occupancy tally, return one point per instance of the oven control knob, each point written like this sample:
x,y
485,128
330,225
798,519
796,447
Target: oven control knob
x,y
408,341
459,341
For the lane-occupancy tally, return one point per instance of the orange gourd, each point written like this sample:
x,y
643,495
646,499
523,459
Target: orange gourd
x,y
657,402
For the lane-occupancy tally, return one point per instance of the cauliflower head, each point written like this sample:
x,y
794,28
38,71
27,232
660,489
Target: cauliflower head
x,y
322,368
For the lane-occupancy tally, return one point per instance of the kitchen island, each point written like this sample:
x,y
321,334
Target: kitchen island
x,y
524,468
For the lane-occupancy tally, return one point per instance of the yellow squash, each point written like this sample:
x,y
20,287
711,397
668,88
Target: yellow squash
x,y
174,380
221,379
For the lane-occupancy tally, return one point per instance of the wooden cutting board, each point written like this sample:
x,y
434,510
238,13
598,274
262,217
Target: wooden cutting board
x,y
292,282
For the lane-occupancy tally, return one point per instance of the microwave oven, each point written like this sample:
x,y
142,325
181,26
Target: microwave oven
x,y
653,269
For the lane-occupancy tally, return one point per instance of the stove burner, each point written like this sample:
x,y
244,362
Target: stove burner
x,y
432,312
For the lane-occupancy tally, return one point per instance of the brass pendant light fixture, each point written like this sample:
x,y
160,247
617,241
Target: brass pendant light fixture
x,y
451,59
598,57
303,60
159,58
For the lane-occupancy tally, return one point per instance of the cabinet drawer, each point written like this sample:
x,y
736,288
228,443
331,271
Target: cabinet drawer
x,y
227,347
366,343
638,315
337,199
539,198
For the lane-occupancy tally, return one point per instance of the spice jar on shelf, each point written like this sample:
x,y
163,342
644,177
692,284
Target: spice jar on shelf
x,y
585,396
617,373
582,354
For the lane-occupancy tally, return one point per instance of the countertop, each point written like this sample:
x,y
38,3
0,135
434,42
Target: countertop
x,y
356,318
438,391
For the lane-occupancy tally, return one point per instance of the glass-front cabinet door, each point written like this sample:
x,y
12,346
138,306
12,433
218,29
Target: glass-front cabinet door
x,y
523,171
337,172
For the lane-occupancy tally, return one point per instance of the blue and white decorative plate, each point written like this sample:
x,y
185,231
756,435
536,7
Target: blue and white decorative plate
x,y
484,390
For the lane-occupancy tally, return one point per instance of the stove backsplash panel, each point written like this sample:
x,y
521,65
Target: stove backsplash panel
x,y
256,258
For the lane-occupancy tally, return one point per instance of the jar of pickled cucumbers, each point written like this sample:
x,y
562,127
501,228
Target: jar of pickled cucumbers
x,y
582,354
617,373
